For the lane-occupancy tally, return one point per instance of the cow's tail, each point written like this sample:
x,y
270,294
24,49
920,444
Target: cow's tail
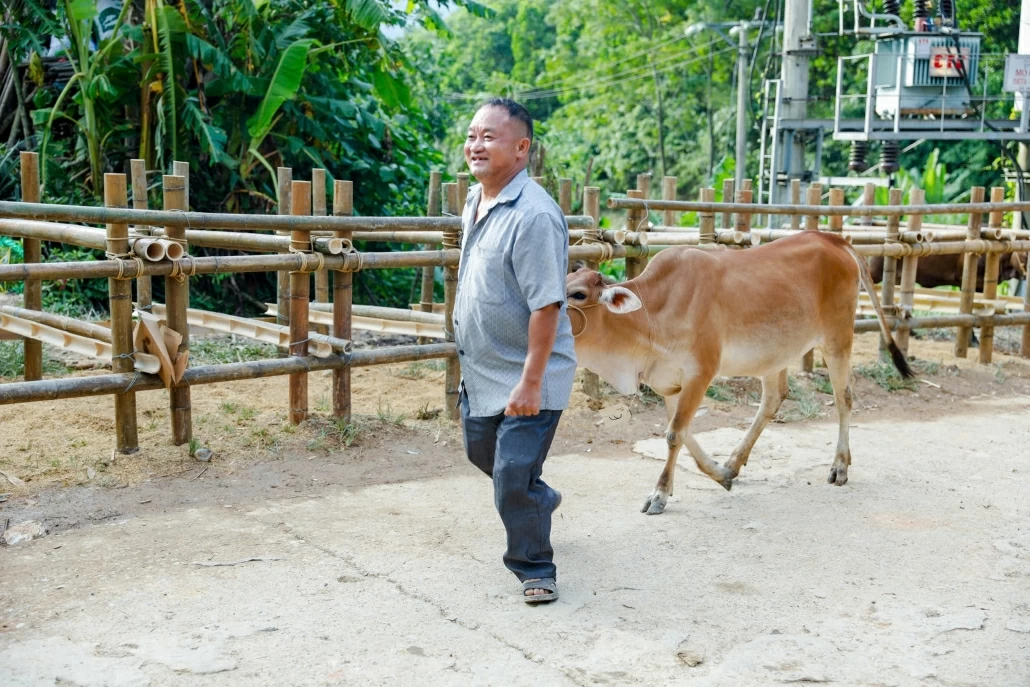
x,y
867,281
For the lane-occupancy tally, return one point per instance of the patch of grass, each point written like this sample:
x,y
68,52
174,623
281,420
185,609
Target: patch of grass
x,y
806,405
424,412
721,392
219,351
247,413
322,405
822,384
12,360
387,416
194,445
347,433
289,428
884,375
228,407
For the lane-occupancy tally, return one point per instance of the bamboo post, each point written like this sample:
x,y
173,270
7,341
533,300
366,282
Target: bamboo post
x,y
743,219
795,199
450,284
644,184
635,219
120,294
991,269
909,269
463,193
836,199
727,196
669,193
814,195
300,293
1024,345
182,169
429,273
343,299
592,207
177,302
565,195
33,296
706,221
318,209
285,181
969,264
144,285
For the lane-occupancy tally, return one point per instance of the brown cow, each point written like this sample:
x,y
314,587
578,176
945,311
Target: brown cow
x,y
693,315
946,270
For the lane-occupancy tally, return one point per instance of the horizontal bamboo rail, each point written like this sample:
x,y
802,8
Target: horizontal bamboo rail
x,y
377,324
812,210
224,220
66,324
946,321
350,262
399,314
101,385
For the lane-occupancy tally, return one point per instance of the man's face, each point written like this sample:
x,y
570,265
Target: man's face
x,y
496,146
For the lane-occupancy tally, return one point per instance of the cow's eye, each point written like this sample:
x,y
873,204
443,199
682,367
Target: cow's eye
x,y
578,296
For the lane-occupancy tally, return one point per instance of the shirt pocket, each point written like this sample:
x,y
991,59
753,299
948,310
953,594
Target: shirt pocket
x,y
486,272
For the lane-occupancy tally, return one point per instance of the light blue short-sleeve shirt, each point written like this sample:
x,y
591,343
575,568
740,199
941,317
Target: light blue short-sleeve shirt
x,y
513,261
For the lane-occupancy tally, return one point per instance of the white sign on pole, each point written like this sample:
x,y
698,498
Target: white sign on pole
x,y
1017,73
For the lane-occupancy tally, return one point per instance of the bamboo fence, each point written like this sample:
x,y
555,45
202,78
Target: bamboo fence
x,y
305,243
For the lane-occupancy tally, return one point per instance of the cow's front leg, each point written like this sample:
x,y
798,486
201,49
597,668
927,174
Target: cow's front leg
x,y
683,407
774,390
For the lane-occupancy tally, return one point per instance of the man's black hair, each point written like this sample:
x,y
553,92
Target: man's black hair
x,y
515,111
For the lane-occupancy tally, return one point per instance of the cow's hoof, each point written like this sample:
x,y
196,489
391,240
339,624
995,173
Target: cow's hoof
x,y
655,503
838,475
726,482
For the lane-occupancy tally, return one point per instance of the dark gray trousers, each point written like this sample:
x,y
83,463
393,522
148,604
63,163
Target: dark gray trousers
x,y
512,450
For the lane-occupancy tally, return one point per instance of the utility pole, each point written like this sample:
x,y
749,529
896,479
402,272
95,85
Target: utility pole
x,y
1023,157
798,46
742,104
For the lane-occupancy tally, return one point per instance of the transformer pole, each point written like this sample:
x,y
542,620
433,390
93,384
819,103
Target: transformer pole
x,y
797,48
743,86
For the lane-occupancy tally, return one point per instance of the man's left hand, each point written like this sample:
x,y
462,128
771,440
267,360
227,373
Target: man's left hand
x,y
525,399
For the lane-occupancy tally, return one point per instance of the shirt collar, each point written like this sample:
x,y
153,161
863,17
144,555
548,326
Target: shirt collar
x,y
508,194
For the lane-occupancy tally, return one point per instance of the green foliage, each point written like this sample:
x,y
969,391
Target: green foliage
x,y
12,360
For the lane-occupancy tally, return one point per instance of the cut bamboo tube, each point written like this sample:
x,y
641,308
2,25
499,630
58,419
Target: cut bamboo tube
x,y
727,196
120,294
969,265
565,195
300,293
890,265
343,291
795,199
284,179
668,193
149,249
635,221
32,252
991,269
318,209
144,287
398,314
177,299
451,240
909,269
429,273
76,343
60,322
102,385
592,207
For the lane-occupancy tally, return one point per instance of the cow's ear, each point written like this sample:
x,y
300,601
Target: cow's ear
x,y
620,300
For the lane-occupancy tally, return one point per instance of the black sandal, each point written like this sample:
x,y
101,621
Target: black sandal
x,y
547,583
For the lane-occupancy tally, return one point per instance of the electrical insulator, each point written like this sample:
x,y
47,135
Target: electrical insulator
x,y
859,153
892,6
889,154
946,11
921,10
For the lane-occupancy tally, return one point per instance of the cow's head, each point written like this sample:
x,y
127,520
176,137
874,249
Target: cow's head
x,y
587,289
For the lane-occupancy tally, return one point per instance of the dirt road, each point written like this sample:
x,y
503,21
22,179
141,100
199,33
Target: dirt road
x,y
915,573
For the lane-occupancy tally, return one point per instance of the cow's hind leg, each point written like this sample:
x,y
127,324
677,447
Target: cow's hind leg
x,y
774,390
677,435
839,367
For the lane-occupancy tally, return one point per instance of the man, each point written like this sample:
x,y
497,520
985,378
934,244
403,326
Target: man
x,y
514,340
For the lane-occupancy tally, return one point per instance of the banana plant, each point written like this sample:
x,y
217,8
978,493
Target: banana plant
x,y
90,80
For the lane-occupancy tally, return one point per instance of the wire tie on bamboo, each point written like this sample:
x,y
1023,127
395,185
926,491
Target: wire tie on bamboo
x,y
132,382
123,259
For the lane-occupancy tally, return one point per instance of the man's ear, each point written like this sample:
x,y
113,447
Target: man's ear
x,y
620,300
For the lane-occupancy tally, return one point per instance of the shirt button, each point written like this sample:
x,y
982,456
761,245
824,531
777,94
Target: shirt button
x,y
461,352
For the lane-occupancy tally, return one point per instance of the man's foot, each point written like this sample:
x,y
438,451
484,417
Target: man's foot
x,y
537,590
